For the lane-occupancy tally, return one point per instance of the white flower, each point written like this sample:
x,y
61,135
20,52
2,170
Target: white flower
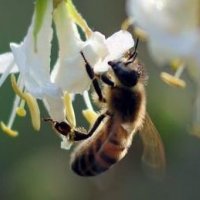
x,y
70,73
173,31
96,49
31,59
117,44
172,27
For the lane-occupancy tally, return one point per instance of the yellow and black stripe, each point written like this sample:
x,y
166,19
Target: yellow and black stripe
x,y
108,147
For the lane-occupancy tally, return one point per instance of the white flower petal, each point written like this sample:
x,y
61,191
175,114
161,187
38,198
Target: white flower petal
x,y
119,43
69,73
67,33
184,45
33,59
172,28
167,15
95,48
70,63
102,66
55,107
72,76
10,66
5,60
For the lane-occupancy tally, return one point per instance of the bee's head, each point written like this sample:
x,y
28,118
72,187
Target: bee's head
x,y
128,73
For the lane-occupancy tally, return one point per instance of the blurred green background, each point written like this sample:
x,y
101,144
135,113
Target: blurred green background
x,y
32,166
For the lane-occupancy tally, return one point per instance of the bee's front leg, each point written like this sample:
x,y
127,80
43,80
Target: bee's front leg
x,y
94,78
105,79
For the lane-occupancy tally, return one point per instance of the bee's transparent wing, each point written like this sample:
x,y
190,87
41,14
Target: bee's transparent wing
x,y
153,151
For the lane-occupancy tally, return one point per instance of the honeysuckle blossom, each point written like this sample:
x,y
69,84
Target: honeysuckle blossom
x,y
117,44
173,32
31,59
69,72
172,26
97,50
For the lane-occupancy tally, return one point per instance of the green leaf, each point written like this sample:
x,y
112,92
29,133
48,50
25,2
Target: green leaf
x,y
40,8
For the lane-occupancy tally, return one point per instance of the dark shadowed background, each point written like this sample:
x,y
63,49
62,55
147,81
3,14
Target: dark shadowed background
x,y
32,165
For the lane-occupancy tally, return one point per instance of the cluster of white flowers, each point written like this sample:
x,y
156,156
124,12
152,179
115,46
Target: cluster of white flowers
x,y
31,60
173,32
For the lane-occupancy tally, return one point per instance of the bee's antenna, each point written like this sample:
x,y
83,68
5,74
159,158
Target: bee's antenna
x,y
49,120
136,44
133,55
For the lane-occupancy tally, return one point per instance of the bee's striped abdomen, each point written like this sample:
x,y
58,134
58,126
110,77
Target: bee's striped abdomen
x,y
99,153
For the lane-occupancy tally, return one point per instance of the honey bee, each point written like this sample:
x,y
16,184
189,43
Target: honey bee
x,y
124,114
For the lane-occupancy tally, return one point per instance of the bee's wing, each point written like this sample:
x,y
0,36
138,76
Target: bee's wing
x,y
153,151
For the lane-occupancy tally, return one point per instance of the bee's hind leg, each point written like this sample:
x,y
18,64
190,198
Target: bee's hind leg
x,y
80,135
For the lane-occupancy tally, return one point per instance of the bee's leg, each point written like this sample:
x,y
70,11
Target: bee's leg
x,y
107,80
98,90
61,127
78,135
92,76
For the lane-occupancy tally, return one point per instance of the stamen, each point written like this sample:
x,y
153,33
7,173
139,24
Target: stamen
x,y
87,100
21,112
90,116
179,71
175,80
13,113
126,23
138,32
69,110
34,110
172,80
176,63
141,34
8,130
76,16
31,103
